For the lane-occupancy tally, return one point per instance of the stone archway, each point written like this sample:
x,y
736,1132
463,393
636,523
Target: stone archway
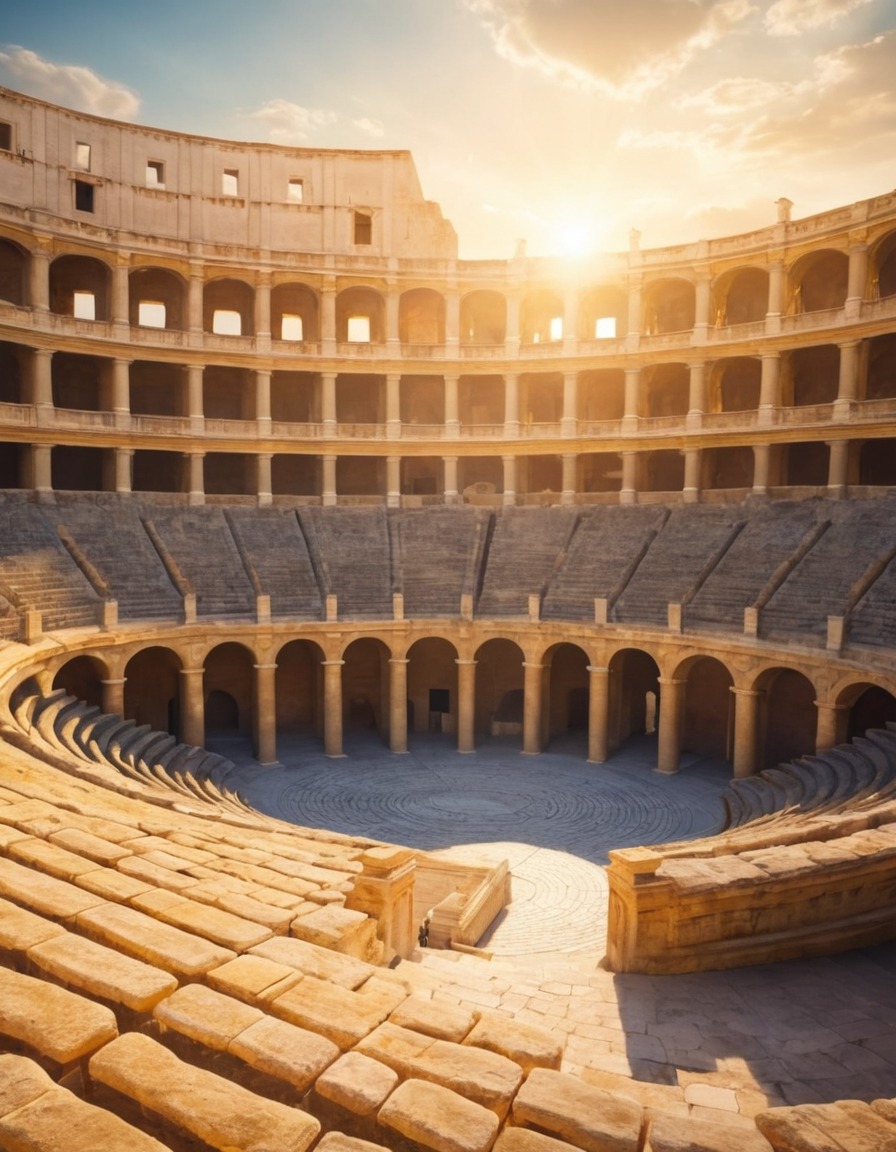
x,y
152,689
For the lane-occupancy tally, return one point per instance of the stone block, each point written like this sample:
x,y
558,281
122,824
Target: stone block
x,y
44,894
527,1045
284,1051
357,1083
848,1124
685,1134
442,1021
436,1118
52,1021
205,920
591,1118
312,960
253,979
525,1140
206,1016
21,929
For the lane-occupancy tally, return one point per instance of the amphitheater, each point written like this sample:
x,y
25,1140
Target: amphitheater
x,y
302,513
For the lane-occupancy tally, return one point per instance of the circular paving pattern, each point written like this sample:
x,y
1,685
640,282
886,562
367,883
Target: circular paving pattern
x,y
553,816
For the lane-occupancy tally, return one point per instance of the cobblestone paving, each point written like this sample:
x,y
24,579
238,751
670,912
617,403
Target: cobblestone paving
x,y
718,1045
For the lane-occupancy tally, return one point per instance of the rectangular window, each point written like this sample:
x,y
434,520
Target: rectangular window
x,y
84,305
291,328
605,328
83,196
359,329
155,174
295,192
5,137
363,231
82,157
556,327
150,314
230,182
226,322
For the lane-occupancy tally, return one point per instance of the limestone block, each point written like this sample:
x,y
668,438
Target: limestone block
x,y
101,851
525,1044
707,875
102,972
285,1051
484,1077
43,894
50,858
337,1013
19,815
443,1021
223,1114
357,1083
264,877
437,1118
849,1124
565,1107
276,919
685,1134
524,1140
142,869
10,835
339,1142
206,1016
214,923
21,1081
112,885
253,979
21,929
50,1020
335,927
313,960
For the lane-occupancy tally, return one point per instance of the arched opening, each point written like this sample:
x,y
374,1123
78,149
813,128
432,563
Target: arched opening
x,y
229,687
480,400
634,695
877,463
884,268
565,714
432,687
736,384
422,400
228,308
295,398
541,397
869,706
360,316
726,468
483,318
541,318
880,383
152,689
740,298
294,313
360,399
75,469
601,395
81,383
156,299
663,470
708,721
13,273
300,689
499,690
665,390
421,317
789,720
153,471
819,282
599,472
79,287
603,314
480,479
669,306
365,688
228,393
82,678
229,474
361,476
812,374
13,373
157,389
296,475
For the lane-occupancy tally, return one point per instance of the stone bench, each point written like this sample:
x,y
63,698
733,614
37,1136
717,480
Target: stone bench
x,y
36,1115
209,1107
343,1016
206,920
43,894
568,1109
269,1045
434,1117
21,930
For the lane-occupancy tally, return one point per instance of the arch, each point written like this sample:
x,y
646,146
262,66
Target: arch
x,y
365,687
727,468
880,381
82,677
665,390
229,690
565,711
789,721
157,286
499,689
360,302
432,686
634,694
708,721
483,318
669,306
740,297
734,384
603,313
663,470
541,397
480,400
81,382
15,362
541,317
84,276
299,303
819,281
811,375
299,688
157,388
228,295
867,706
152,689
882,267
13,273
421,317
601,394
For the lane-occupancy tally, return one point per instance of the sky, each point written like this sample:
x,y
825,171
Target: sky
x,y
565,123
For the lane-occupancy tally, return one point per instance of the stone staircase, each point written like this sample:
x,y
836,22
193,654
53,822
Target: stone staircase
x,y
437,553
272,540
350,550
526,546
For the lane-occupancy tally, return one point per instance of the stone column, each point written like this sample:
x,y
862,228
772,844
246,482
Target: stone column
x,y
691,492
120,312
263,309
195,409
511,406
393,406
385,891
195,293
265,716
512,334
634,309
393,336
192,706
328,317
393,481
196,477
701,309
632,383
39,280
123,479
121,391
769,397
746,731
42,467
696,395
333,707
113,696
263,480
776,279
42,383
761,456
856,277
263,401
466,704
452,495
847,385
328,402
598,713
669,736
838,464
569,422
452,322
509,480
532,707
832,725
628,493
452,419
328,496
568,495
398,705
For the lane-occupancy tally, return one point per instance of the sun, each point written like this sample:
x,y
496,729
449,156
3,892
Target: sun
x,y
575,237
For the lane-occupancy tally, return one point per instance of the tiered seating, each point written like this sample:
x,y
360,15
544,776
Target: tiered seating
x,y
37,572
272,540
350,548
873,621
768,539
602,554
821,585
526,546
201,546
438,550
677,561
112,538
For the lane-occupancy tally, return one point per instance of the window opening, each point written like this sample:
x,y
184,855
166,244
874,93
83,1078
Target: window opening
x,y
155,174
226,322
556,327
359,329
291,328
605,328
83,196
5,137
230,182
151,314
82,156
84,306
363,228
295,192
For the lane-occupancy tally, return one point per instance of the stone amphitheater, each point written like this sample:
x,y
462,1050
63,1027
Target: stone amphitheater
x,y
356,598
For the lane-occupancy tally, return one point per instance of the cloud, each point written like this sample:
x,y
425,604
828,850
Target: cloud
x,y
737,95
599,45
67,84
791,17
288,123
370,127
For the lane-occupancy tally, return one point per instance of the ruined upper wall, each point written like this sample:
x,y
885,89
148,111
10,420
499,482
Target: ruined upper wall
x,y
185,188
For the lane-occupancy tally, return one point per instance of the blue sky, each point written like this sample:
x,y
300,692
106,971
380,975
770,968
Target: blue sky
x,y
564,122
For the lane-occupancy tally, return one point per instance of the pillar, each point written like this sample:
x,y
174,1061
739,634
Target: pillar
x,y
669,737
701,308
42,382
113,696
42,467
121,390
398,705
848,381
466,704
192,706
393,406
634,310
856,277
598,713
195,408
123,478
569,422
328,316
452,418
691,493
511,405
195,291
533,675
265,715
452,496
120,313
262,317
196,477
746,731
263,482
838,464
776,278
628,493
568,495
39,280
328,496
263,401
769,398
333,707
509,480
632,382
328,402
393,481
832,725
393,339
512,334
761,459
696,395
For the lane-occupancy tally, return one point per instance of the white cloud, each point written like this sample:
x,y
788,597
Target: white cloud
x,y
370,127
623,50
67,84
737,95
289,123
791,17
